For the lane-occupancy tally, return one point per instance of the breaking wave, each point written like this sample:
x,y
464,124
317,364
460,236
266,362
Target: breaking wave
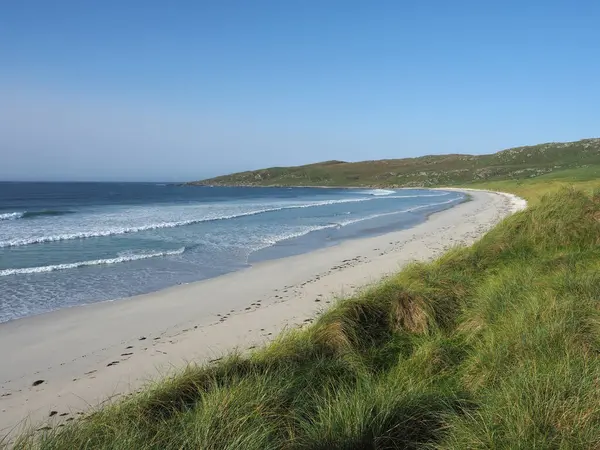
x,y
11,216
31,214
95,262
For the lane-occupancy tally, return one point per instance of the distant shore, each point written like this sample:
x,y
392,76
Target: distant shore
x,y
196,183
280,186
73,359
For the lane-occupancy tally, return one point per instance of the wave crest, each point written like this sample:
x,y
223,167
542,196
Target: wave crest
x,y
95,262
11,216
31,214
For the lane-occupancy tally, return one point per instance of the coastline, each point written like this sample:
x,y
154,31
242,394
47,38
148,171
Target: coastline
x,y
87,354
305,186
88,254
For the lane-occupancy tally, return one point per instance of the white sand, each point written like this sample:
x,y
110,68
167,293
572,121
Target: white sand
x,y
72,349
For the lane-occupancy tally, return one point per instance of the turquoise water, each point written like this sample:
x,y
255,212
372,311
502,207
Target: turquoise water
x,y
66,244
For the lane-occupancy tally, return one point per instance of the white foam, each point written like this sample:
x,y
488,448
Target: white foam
x,y
96,262
11,216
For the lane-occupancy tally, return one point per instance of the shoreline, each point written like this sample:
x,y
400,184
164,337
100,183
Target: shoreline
x,y
252,259
91,353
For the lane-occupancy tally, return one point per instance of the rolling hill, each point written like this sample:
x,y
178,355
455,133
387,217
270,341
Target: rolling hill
x,y
433,170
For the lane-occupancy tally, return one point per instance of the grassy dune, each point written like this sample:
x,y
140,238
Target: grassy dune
x,y
492,346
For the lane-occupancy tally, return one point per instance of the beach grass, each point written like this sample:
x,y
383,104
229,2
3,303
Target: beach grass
x,y
491,346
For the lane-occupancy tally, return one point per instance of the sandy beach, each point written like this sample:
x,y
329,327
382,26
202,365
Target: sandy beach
x,y
56,365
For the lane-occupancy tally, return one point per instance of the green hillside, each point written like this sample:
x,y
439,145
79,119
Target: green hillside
x,y
436,170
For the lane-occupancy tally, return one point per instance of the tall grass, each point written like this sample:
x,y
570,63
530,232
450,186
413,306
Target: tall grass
x,y
492,346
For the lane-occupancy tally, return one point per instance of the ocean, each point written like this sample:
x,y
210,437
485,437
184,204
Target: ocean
x,y
68,244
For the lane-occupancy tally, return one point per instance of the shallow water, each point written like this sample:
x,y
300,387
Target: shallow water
x,y
66,244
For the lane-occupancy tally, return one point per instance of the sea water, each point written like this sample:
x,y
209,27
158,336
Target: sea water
x,y
67,244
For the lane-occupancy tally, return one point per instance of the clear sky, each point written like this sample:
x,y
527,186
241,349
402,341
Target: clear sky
x,y
158,90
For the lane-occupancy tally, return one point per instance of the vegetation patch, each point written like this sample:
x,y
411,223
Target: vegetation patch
x,y
578,160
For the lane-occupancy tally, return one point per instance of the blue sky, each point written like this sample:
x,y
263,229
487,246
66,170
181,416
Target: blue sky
x,y
132,90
